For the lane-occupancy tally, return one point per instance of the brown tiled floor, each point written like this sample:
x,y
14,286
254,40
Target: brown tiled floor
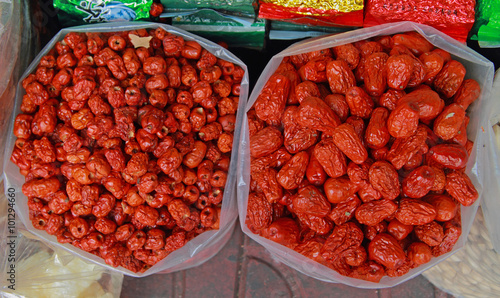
x,y
243,268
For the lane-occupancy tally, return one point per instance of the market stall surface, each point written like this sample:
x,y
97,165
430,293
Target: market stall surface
x,y
243,268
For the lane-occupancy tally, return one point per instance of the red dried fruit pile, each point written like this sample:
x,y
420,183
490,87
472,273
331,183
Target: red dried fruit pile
x,y
125,149
358,155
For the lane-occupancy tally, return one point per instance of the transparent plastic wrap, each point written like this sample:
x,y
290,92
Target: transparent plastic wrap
x,y
478,68
15,41
240,8
235,31
197,250
491,201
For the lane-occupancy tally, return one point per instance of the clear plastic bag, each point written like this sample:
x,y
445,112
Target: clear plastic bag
x,y
491,201
478,68
15,42
196,251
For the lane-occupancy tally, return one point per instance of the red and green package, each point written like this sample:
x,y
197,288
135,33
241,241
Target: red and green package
x,y
314,12
453,17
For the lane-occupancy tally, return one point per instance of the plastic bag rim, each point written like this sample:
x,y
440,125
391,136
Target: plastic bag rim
x,y
227,222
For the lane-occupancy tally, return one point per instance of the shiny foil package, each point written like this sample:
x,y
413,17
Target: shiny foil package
x,y
314,12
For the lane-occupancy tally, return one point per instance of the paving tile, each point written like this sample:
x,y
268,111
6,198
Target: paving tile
x,y
415,287
217,277
158,285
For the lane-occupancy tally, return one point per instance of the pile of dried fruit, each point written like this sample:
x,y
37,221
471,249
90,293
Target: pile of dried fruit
x,y
126,149
358,154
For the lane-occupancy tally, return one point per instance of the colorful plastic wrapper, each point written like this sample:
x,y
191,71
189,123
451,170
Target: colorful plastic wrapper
x,y
242,8
487,27
478,68
317,13
453,17
79,12
193,253
233,30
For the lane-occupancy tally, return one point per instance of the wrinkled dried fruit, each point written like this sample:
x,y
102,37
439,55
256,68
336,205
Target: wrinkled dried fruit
x,y
384,178
415,212
315,114
348,141
460,187
419,182
311,201
386,250
374,212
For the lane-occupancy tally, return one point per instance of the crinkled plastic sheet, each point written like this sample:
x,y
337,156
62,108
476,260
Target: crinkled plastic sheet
x,y
478,68
199,249
16,49
491,201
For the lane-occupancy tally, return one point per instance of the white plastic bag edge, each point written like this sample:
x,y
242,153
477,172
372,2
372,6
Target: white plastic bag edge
x,y
476,163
